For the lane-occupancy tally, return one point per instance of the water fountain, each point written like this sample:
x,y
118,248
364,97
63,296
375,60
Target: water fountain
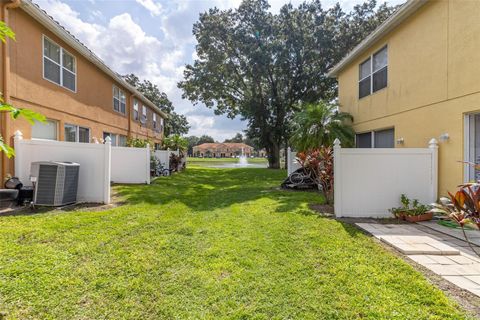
x,y
243,162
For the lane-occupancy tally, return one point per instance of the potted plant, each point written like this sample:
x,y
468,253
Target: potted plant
x,y
401,212
415,212
419,212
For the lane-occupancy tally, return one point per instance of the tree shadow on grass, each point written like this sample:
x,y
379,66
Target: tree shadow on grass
x,y
206,189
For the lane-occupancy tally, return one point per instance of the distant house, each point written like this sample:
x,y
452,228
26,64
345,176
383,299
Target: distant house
x,y
415,78
51,72
222,150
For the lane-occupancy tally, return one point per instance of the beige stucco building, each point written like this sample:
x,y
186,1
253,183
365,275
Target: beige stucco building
x,y
415,78
49,71
222,150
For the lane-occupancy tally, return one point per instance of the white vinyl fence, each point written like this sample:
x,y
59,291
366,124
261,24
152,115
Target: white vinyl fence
x,y
94,160
131,165
368,182
292,163
164,156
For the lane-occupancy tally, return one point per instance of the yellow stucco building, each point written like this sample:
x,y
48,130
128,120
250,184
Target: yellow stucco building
x,y
415,78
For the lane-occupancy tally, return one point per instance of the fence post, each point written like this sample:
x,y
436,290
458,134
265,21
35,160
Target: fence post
x,y
148,163
337,195
108,170
18,153
289,161
168,159
433,146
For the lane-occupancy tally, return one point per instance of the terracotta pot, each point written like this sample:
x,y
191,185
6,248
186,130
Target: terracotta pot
x,y
401,215
423,217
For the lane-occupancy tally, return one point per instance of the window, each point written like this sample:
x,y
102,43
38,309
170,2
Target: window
x,y
155,122
119,100
144,115
161,124
75,133
118,140
364,140
135,110
384,138
59,66
376,139
45,130
373,73
122,140
113,138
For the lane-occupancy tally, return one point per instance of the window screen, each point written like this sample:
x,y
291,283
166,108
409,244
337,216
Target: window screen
x,y
373,73
83,135
70,133
45,130
364,140
385,138
58,65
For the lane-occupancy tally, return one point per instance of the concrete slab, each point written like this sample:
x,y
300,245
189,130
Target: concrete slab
x,y
440,249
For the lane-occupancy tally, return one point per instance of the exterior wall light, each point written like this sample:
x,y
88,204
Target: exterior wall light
x,y
444,137
400,141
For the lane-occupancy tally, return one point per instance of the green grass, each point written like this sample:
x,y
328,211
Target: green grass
x,y
192,160
206,244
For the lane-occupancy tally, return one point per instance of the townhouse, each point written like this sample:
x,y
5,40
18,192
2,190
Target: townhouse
x,y
51,72
415,78
222,150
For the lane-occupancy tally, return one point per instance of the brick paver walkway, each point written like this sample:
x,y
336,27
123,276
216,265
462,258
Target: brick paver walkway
x,y
437,248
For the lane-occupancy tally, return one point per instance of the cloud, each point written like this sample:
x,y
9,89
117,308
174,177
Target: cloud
x,y
155,8
155,46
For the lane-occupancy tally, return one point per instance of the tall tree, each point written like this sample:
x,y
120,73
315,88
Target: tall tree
x,y
205,139
176,123
192,142
238,138
262,66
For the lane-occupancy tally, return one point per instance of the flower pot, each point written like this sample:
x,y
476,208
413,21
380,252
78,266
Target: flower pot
x,y
401,215
422,217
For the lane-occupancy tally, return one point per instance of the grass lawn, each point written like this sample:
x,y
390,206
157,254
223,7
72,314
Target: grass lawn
x,y
206,161
206,244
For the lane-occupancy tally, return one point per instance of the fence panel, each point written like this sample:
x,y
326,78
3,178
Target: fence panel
x,y
164,157
368,182
131,165
292,163
94,160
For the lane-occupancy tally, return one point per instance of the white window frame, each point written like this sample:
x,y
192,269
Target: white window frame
x,y
370,58
44,37
119,99
135,110
117,136
77,132
56,131
154,120
143,119
372,136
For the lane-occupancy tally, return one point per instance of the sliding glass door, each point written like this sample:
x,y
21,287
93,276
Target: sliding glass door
x,y
472,146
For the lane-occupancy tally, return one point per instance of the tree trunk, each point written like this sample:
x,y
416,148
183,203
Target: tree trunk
x,y
274,156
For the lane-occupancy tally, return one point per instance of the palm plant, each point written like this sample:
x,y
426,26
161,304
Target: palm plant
x,y
175,142
320,124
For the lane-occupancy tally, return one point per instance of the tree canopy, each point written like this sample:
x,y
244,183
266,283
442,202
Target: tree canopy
x,y
238,138
262,66
176,123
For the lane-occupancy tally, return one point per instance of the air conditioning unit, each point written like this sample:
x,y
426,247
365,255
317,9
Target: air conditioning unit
x,y
56,182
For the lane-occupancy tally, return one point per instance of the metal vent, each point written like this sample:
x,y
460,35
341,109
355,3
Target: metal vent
x,y
57,182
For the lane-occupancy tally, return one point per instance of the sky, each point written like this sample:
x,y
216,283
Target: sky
x,y
153,39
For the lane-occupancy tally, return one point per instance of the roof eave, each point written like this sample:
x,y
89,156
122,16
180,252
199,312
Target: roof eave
x,y
405,11
44,19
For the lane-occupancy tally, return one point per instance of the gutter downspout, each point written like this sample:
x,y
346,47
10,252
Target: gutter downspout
x,y
6,81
